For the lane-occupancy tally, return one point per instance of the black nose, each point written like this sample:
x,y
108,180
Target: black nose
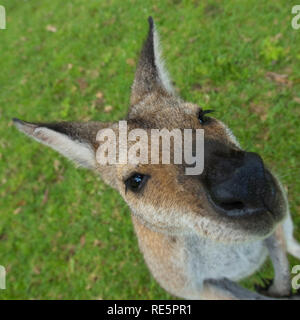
x,y
238,184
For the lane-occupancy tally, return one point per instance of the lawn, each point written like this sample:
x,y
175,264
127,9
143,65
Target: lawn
x,y
63,233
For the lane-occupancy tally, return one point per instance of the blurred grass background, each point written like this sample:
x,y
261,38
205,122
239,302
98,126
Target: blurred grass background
x,y
63,233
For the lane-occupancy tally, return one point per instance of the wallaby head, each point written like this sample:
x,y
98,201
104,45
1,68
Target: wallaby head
x,y
236,198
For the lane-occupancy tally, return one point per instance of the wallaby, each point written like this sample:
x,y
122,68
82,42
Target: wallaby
x,y
199,234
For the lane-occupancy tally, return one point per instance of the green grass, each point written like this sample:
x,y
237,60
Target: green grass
x,y
63,233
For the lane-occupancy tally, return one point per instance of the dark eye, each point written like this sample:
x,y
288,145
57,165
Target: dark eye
x,y
201,115
136,182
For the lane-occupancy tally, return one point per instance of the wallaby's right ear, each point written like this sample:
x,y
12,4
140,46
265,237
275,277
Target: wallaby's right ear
x,y
74,140
151,74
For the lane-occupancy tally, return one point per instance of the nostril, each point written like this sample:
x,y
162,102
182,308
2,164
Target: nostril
x,y
224,198
235,205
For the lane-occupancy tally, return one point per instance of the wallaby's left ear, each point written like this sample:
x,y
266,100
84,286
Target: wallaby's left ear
x,y
151,74
74,140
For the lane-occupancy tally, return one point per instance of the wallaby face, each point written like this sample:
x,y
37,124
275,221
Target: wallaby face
x,y
235,199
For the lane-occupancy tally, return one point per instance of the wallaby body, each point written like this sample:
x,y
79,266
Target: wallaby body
x,y
183,265
198,234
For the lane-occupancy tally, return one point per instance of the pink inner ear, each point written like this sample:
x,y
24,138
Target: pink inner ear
x,y
40,134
